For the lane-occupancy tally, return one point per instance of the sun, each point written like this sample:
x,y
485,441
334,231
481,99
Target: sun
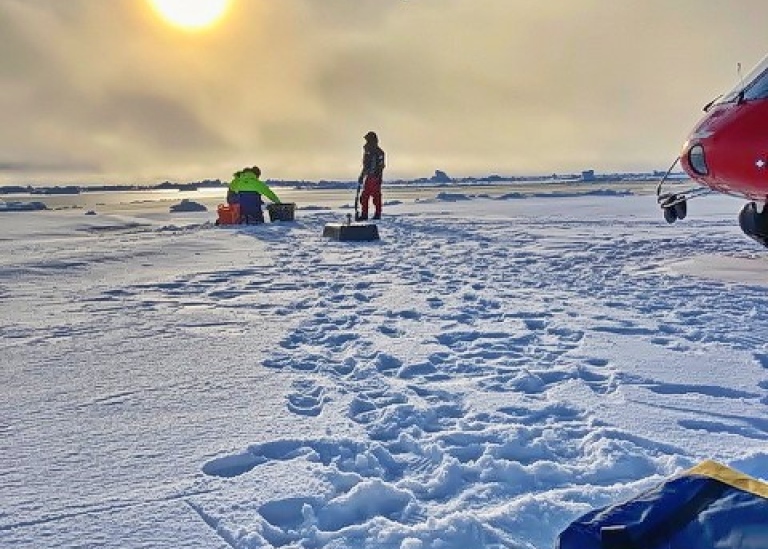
x,y
191,14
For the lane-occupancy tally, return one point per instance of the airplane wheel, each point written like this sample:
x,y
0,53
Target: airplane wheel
x,y
754,224
681,209
748,218
670,215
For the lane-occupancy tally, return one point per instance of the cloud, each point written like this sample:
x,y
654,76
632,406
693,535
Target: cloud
x,y
159,123
505,86
41,167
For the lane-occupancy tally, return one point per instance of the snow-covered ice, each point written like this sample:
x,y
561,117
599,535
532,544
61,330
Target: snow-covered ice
x,y
483,375
20,206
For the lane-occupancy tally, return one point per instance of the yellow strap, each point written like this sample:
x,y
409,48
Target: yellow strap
x,y
729,476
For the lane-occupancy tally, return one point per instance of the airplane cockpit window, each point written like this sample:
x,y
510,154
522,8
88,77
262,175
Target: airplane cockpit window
x,y
758,89
753,86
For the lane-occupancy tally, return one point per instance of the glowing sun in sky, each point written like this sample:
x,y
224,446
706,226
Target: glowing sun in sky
x,y
191,14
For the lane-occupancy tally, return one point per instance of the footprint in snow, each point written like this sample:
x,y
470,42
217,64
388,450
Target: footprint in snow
x,y
307,399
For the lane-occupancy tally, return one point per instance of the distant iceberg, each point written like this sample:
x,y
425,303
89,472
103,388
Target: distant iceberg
x,y
21,206
187,205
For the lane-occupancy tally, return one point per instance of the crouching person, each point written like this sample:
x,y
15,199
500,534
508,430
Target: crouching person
x,y
247,190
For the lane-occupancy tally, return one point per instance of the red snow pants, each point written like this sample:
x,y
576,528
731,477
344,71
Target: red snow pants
x,y
371,189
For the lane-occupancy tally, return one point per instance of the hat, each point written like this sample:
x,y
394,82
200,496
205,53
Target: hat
x,y
371,136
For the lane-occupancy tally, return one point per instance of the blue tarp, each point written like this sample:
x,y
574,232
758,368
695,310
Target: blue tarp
x,y
710,506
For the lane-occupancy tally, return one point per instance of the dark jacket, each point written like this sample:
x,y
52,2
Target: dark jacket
x,y
373,160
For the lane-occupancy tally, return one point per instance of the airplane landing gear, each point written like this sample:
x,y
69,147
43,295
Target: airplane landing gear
x,y
754,223
674,206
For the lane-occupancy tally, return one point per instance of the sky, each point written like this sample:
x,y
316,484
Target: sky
x,y
108,92
479,377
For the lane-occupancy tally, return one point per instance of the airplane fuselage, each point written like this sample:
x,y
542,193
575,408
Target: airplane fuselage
x,y
727,151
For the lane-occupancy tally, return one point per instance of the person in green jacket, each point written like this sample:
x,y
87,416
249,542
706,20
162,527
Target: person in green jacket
x,y
247,189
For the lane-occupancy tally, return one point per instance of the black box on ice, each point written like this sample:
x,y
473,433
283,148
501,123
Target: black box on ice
x,y
282,212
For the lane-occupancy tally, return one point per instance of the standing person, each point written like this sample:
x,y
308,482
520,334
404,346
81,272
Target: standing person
x,y
371,176
247,189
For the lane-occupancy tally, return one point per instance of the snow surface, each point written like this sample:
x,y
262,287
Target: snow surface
x,y
486,373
